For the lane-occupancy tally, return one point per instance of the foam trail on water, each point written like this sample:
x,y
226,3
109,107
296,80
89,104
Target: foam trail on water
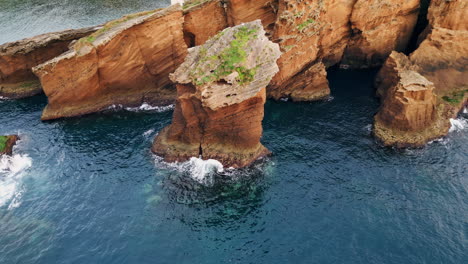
x,y
11,171
147,107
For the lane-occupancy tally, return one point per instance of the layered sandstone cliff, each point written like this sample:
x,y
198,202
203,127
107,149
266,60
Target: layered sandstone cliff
x,y
221,95
127,62
18,58
410,114
7,143
203,20
441,59
378,28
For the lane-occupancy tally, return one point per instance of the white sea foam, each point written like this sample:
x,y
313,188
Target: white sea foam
x,y
147,107
200,170
458,124
11,171
148,133
143,107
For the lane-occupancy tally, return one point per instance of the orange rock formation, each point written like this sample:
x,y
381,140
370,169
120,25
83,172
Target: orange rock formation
x,y
221,95
127,62
17,58
414,112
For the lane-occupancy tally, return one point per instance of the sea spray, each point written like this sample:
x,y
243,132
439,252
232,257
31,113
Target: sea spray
x,y
200,170
11,171
458,124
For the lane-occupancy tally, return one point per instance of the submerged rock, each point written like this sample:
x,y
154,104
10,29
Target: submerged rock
x,y
7,143
18,58
127,62
221,96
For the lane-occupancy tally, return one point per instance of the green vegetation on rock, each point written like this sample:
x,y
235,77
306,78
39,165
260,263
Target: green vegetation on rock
x,y
231,59
3,141
455,97
304,24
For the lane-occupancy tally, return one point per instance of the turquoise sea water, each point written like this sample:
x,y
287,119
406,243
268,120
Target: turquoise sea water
x,y
88,190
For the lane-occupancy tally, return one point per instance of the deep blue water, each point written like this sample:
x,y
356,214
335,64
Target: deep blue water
x,y
95,194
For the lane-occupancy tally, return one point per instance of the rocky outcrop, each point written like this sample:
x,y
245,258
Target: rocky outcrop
x,y
313,36
241,11
127,62
203,20
18,58
378,28
7,143
221,95
423,111
410,115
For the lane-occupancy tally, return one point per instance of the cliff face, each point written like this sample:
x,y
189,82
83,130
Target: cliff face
x,y
17,58
378,28
410,114
7,143
242,11
203,21
423,111
221,95
127,62
312,35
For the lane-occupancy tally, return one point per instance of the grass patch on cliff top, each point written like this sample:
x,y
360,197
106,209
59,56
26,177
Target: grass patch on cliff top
x,y
3,141
231,58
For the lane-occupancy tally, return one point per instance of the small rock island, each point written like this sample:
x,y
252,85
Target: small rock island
x,y
221,92
7,143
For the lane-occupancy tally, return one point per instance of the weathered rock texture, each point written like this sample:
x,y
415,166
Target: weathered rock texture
x,y
378,28
241,11
127,62
442,59
313,36
18,58
7,143
202,21
221,95
409,115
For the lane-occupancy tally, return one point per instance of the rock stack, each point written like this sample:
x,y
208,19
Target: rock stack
x,y
220,99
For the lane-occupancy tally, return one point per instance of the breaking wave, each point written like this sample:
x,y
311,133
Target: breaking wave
x,y
202,171
12,169
458,124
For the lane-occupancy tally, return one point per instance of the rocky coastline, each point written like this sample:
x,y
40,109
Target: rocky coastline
x,y
147,57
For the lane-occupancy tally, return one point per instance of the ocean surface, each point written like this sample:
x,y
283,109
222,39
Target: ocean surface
x,y
88,190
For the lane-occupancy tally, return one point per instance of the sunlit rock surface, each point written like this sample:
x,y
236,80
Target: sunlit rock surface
x,y
221,96
127,62
18,58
